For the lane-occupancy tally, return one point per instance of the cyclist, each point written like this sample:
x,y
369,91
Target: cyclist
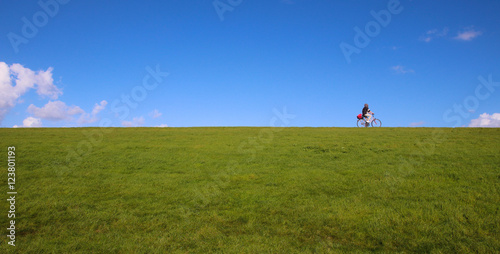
x,y
367,113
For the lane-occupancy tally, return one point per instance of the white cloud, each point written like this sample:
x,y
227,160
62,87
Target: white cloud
x,y
401,69
92,117
486,120
468,34
417,124
162,125
136,121
31,122
16,80
42,81
155,114
55,111
434,33
99,107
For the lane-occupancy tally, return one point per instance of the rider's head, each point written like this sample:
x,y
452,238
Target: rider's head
x,y
366,105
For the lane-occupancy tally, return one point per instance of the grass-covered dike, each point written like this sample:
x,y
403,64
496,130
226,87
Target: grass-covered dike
x,y
253,190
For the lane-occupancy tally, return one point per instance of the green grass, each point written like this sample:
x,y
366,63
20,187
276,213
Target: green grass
x,y
253,190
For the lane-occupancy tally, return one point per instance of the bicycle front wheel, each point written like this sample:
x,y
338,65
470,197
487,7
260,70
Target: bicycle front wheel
x,y
376,123
361,123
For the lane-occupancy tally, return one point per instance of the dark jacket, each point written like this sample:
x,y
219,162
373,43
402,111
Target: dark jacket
x,y
365,111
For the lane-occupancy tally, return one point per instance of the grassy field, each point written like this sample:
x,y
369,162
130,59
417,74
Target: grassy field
x,y
253,190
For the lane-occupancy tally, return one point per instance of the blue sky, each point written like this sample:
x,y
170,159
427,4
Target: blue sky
x,y
237,63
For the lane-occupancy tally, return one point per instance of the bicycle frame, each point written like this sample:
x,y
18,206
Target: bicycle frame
x,y
373,120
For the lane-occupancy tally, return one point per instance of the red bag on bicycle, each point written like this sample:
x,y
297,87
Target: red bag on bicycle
x,y
360,116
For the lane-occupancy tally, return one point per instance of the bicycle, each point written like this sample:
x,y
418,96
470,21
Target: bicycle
x,y
374,122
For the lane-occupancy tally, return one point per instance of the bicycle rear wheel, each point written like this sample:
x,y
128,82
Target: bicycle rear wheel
x,y
376,123
361,123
